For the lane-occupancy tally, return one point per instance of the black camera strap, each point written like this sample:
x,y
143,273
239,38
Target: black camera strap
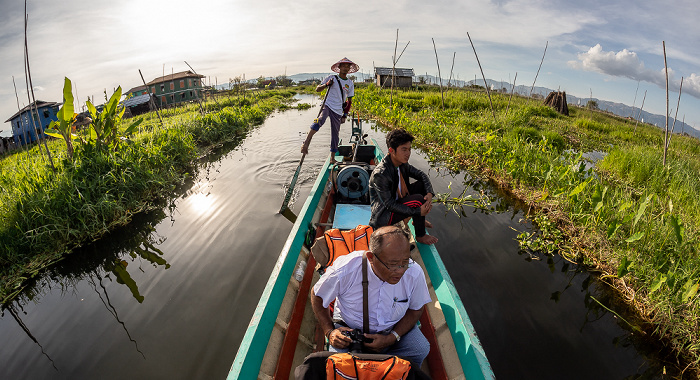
x,y
365,301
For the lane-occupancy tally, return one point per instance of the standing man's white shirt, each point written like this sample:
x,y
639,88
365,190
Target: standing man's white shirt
x,y
387,303
334,101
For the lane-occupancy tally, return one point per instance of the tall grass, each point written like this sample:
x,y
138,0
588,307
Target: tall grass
x,y
47,214
629,217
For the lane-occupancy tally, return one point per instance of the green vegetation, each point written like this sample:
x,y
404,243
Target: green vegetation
x,y
117,171
627,216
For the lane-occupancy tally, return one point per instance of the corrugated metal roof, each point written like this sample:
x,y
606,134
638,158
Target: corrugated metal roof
x,y
175,76
39,104
399,72
136,100
137,88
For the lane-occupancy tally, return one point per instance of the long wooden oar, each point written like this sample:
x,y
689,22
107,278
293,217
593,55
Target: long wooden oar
x,y
284,210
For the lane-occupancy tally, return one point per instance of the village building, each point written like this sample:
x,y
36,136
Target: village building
x,y
138,101
176,88
402,77
25,121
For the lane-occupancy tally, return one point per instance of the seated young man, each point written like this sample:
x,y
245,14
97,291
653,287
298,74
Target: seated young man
x,y
397,292
392,197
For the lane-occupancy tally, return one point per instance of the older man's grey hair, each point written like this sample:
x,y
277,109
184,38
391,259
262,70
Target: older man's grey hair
x,y
376,241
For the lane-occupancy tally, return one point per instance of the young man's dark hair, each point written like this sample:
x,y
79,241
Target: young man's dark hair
x,y
397,137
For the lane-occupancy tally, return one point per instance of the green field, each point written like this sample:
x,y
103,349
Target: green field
x,y
627,216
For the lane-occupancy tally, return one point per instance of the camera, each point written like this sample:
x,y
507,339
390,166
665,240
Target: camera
x,y
358,339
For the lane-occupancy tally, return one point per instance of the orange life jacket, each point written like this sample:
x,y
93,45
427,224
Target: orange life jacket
x,y
348,366
343,242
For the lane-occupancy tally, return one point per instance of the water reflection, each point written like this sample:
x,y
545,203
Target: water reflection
x,y
24,328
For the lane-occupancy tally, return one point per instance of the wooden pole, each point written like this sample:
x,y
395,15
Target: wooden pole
x,y
511,92
666,131
538,69
439,75
483,76
635,100
393,70
31,87
201,108
453,67
668,144
150,99
639,115
19,109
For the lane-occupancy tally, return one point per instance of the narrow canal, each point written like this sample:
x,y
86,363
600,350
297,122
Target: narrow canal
x,y
170,296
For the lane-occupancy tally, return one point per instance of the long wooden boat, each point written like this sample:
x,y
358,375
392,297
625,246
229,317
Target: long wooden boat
x,y
283,329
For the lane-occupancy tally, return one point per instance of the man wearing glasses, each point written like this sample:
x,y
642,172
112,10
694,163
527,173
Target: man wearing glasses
x,y
397,292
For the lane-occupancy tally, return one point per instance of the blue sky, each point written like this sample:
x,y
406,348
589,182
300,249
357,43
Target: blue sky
x,y
595,46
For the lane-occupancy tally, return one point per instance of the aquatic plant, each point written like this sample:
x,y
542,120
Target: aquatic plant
x,y
627,215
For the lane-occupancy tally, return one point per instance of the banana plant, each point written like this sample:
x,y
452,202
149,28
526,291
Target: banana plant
x,y
62,128
104,129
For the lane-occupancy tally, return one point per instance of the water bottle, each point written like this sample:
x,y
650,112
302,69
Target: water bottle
x,y
299,273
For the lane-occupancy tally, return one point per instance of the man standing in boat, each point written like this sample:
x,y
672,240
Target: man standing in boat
x,y
391,194
337,104
396,294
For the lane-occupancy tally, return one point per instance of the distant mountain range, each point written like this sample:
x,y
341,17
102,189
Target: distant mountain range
x,y
618,109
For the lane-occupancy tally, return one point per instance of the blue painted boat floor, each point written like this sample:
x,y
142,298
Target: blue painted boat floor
x,y
349,216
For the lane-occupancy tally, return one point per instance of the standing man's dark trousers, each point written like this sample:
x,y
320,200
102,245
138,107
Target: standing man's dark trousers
x,y
414,199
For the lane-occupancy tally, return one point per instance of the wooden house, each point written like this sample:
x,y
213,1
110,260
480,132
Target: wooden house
x,y
176,88
402,77
26,120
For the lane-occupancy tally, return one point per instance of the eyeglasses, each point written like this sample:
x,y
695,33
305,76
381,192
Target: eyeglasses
x,y
396,268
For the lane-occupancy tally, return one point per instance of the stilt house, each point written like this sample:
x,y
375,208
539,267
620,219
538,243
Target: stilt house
x,y
402,77
28,126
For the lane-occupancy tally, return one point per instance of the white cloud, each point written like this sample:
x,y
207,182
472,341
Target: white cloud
x,y
627,64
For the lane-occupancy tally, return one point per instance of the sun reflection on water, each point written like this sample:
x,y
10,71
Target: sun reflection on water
x,y
200,203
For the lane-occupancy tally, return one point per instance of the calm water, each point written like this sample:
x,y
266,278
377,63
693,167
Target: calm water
x,y
170,296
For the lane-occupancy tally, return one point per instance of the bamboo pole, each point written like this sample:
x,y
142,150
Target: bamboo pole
x,y
635,100
31,86
439,75
393,70
150,99
451,69
19,115
201,108
538,69
666,131
483,76
512,89
668,143
639,115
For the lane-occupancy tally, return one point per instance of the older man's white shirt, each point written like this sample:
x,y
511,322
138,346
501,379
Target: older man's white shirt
x,y
387,303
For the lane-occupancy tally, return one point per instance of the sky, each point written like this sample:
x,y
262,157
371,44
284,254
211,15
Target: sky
x,y
610,49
